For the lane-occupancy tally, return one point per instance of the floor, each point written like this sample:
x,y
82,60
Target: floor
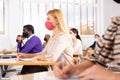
x,y
12,73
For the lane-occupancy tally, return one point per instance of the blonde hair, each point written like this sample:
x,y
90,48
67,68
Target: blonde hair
x,y
57,14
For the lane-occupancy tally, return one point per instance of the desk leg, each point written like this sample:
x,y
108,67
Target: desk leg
x,y
49,68
1,72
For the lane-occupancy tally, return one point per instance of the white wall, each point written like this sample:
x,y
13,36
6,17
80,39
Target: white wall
x,y
109,9
7,41
14,28
14,21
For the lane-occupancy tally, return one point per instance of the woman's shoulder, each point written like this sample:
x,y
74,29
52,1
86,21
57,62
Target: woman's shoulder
x,y
62,36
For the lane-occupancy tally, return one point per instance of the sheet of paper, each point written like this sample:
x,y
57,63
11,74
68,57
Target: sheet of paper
x,y
40,76
50,76
26,59
8,60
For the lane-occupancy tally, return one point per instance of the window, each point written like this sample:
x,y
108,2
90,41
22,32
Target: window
x,y
2,16
81,14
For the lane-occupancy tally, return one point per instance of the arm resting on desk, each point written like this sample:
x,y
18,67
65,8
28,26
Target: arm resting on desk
x,y
23,55
38,56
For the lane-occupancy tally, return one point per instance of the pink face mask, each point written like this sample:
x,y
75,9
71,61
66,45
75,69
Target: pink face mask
x,y
49,25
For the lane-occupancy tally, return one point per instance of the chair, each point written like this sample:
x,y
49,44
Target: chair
x,y
76,60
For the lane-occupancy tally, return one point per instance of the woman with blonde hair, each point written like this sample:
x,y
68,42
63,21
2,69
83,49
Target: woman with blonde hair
x,y
59,45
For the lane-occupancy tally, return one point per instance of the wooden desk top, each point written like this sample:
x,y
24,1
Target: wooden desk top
x,y
76,54
7,51
12,62
11,54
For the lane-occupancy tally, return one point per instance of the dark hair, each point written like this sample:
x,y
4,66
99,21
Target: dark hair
x,y
74,30
29,27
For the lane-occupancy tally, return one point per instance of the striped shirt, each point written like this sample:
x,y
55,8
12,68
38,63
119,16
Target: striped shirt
x,y
107,50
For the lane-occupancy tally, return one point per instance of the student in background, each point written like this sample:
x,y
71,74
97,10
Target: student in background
x,y
92,47
19,41
59,45
76,41
96,36
46,38
33,45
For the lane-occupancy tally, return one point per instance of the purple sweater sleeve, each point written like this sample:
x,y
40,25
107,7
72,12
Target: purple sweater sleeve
x,y
33,45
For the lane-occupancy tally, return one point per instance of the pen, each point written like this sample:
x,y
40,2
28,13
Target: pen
x,y
63,61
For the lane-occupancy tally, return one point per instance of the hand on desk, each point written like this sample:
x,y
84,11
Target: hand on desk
x,y
34,56
39,58
96,72
66,72
21,55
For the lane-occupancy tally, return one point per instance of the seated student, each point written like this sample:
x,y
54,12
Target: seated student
x,y
19,41
97,36
59,46
31,46
76,44
46,38
76,41
105,54
92,47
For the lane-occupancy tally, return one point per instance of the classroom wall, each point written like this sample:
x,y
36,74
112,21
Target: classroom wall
x,y
111,9
14,28
108,8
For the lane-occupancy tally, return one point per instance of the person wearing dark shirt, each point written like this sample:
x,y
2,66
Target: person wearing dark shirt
x,y
96,39
92,47
46,38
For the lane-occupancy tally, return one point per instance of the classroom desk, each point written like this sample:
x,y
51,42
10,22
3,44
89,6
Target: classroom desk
x,y
39,76
8,55
7,51
76,55
15,62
